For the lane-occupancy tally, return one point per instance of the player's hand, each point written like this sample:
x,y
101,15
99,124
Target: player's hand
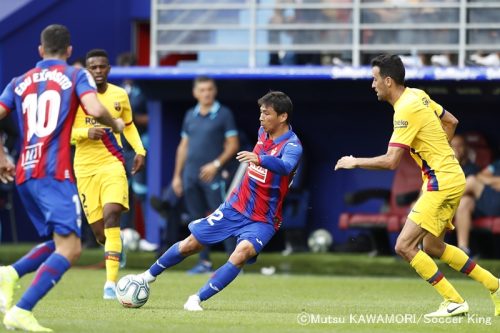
x,y
247,156
96,133
119,125
346,162
7,170
177,186
139,161
208,172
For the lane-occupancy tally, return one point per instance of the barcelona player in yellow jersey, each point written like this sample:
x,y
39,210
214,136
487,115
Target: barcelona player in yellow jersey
x,y
100,166
424,128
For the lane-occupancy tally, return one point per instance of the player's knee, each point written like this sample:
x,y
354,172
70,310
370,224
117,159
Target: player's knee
x,y
111,215
189,246
242,253
402,249
71,252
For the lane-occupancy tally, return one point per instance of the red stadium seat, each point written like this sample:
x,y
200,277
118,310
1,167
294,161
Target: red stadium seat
x,y
405,188
479,150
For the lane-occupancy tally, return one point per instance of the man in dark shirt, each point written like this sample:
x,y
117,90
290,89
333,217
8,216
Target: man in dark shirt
x,y
209,139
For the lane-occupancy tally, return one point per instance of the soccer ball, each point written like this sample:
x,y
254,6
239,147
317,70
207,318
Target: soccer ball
x,y
320,241
131,239
132,291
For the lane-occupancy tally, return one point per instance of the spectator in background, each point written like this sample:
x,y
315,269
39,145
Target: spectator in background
x,y
481,198
462,225
209,140
461,150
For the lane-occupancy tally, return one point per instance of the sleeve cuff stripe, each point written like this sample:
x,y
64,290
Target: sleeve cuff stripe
x,y
399,145
442,114
5,107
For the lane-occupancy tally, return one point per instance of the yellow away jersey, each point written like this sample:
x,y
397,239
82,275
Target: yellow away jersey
x,y
92,156
417,127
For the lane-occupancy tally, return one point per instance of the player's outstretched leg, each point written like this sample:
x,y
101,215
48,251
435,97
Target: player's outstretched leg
x,y
459,261
20,316
407,248
174,255
9,275
222,276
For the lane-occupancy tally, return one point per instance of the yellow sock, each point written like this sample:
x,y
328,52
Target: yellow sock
x,y
459,261
112,253
428,270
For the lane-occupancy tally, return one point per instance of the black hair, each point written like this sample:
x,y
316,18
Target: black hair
x,y
96,53
55,39
279,101
391,66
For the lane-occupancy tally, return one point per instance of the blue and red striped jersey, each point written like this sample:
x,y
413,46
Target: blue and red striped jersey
x,y
46,99
262,190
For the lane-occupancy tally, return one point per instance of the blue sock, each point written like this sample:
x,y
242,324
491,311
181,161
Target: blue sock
x,y
221,278
168,259
33,259
46,277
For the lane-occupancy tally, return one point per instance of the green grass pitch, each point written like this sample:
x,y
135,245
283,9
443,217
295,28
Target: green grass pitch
x,y
257,303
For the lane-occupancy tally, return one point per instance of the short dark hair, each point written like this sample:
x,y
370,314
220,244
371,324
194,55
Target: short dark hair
x,y
203,78
390,66
55,39
279,101
96,53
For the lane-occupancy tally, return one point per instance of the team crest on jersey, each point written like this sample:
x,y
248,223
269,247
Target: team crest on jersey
x,y
273,152
425,101
257,172
117,106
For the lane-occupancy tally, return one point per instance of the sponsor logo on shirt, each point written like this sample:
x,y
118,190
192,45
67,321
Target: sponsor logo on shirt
x,y
31,155
257,172
91,121
400,124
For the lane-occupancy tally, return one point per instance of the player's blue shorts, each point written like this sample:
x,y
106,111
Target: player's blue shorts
x,y
53,206
227,222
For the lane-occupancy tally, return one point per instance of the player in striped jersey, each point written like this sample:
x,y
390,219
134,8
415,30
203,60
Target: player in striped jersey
x,y
45,100
100,165
252,213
